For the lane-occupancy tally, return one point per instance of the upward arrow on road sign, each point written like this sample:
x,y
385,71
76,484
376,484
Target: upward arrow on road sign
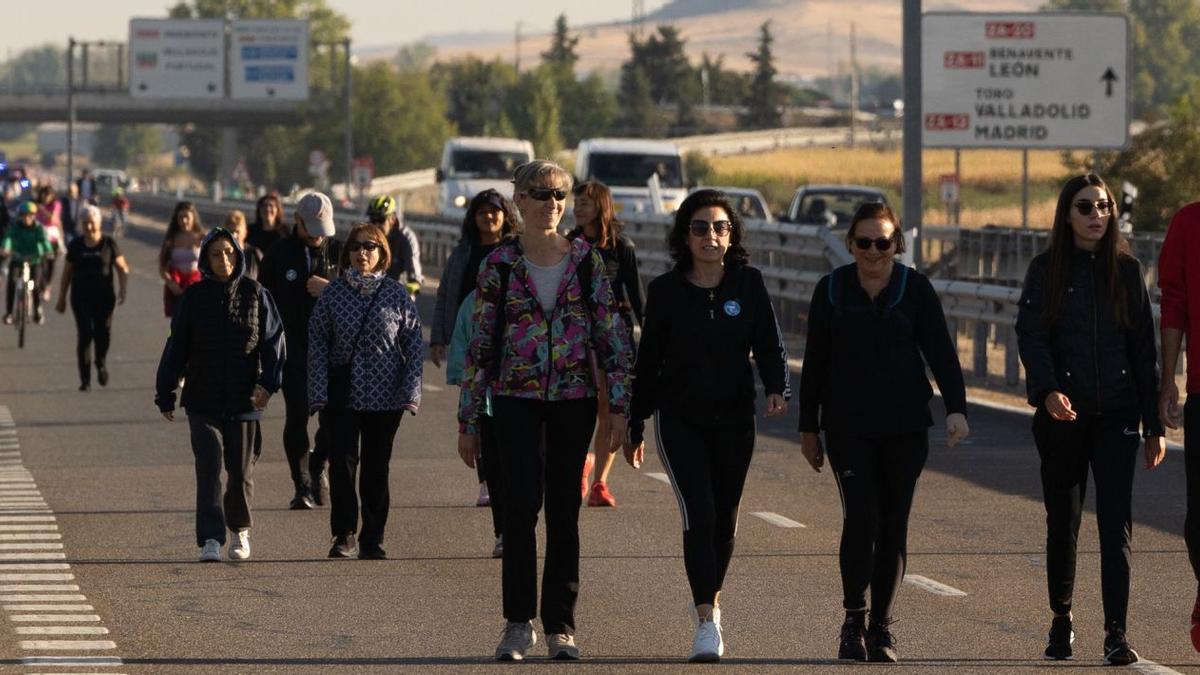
x,y
1108,78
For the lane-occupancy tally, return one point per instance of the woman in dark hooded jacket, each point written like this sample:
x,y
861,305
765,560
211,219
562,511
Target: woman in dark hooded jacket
x,y
227,342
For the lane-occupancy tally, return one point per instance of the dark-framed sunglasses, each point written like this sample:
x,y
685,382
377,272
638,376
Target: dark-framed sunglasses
x,y
544,194
700,228
881,243
368,246
1085,207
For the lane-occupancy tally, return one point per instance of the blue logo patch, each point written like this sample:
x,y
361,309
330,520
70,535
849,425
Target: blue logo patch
x,y
732,308
291,275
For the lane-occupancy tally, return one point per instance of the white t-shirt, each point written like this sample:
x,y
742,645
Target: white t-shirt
x,y
546,280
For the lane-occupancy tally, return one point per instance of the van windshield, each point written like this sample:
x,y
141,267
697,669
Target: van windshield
x,y
495,164
633,170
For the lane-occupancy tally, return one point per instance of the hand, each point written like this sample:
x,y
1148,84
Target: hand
x,y
1168,405
811,448
1155,450
635,454
260,397
61,307
174,287
776,405
437,354
121,297
169,415
956,428
468,448
1059,407
316,285
616,432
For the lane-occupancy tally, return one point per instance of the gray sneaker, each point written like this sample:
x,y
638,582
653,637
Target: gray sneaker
x,y
561,647
518,638
210,551
498,549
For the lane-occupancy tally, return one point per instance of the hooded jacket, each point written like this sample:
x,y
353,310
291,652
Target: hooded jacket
x,y
226,337
284,271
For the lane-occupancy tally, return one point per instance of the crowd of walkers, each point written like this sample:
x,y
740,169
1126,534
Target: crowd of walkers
x,y
562,357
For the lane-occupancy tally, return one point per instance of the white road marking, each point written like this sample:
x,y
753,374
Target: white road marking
x,y
45,618
1152,668
30,547
38,577
59,555
62,630
47,527
776,519
26,519
431,387
71,661
35,607
29,536
661,477
937,588
73,645
34,566
37,588
42,597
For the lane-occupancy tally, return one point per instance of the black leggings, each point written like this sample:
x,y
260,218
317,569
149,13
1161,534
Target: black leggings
x,y
488,465
305,467
877,478
376,430
93,325
1191,461
567,428
1109,444
707,465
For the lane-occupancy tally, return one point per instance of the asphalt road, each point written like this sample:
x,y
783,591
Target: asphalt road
x,y
117,484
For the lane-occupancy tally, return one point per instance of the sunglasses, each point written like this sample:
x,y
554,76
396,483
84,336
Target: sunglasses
x,y
544,194
1084,207
368,246
881,243
700,228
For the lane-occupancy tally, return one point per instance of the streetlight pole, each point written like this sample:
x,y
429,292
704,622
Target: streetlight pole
x,y
70,112
913,116
349,94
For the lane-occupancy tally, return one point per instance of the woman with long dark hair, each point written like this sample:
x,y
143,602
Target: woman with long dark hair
x,y
873,327
268,226
179,255
490,218
704,320
1085,330
596,222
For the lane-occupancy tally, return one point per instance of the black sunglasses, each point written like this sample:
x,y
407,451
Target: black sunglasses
x,y
1084,207
699,228
881,243
368,246
544,194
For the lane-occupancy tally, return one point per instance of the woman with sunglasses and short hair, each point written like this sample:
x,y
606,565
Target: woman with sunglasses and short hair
x,y
365,355
1085,330
704,320
873,326
543,302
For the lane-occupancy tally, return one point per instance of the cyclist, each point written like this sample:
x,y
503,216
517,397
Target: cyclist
x,y
406,250
25,242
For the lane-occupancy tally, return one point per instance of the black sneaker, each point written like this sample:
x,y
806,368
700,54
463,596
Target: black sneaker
x,y
344,546
372,552
102,375
303,501
881,644
852,642
1058,646
84,386
1116,648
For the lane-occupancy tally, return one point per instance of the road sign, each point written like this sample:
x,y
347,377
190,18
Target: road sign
x,y
948,188
363,171
269,59
176,58
1033,80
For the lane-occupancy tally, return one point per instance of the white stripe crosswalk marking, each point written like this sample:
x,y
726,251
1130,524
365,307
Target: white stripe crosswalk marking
x,y
776,519
29,547
71,661
29,536
37,577
51,555
34,566
47,618
36,588
26,519
33,527
43,597
72,645
62,630
48,608
935,587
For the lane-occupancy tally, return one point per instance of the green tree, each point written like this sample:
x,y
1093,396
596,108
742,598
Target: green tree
x,y
475,94
639,115
126,145
561,56
414,57
670,76
588,109
763,105
725,87
43,66
399,119
534,110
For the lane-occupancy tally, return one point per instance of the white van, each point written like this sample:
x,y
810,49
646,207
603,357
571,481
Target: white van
x,y
471,165
626,164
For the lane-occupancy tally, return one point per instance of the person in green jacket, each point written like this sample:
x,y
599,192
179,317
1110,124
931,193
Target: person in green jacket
x,y
25,242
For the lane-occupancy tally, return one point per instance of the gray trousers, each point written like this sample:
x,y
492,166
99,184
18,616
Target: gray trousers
x,y
236,444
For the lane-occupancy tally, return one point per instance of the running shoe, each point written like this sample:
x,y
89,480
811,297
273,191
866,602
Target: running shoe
x,y
302,501
84,386
8,320
39,315
1117,651
371,552
210,551
561,647
498,549
881,644
239,548
102,375
588,464
852,643
1196,622
707,644
1058,646
518,637
344,546
600,495
484,499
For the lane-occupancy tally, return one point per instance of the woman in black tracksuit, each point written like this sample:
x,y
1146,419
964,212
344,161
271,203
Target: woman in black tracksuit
x,y
704,319
1085,330
864,383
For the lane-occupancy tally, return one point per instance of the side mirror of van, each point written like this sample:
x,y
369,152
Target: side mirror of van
x,y
439,175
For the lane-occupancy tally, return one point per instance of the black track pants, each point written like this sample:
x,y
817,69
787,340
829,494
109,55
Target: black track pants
x,y
366,438
93,328
305,467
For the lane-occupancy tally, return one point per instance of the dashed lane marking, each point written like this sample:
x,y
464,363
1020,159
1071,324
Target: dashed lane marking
x,y
776,519
661,477
50,613
935,587
1152,668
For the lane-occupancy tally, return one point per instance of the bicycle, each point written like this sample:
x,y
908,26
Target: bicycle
x,y
24,302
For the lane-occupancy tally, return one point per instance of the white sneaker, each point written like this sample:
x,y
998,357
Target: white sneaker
x,y
518,638
239,548
561,647
498,549
707,645
210,551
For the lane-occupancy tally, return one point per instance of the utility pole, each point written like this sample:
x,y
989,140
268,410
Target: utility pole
x,y
70,112
638,22
853,83
913,116
348,97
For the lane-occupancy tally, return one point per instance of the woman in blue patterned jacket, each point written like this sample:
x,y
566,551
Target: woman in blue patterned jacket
x,y
364,366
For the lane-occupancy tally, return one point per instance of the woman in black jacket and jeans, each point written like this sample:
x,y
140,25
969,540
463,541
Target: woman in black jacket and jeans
x,y
864,383
1085,330
704,319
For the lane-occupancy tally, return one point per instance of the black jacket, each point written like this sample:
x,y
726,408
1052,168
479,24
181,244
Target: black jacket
x,y
863,368
225,338
694,358
284,271
621,267
1100,365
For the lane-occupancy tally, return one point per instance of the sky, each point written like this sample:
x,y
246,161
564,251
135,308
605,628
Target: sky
x,y
374,22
